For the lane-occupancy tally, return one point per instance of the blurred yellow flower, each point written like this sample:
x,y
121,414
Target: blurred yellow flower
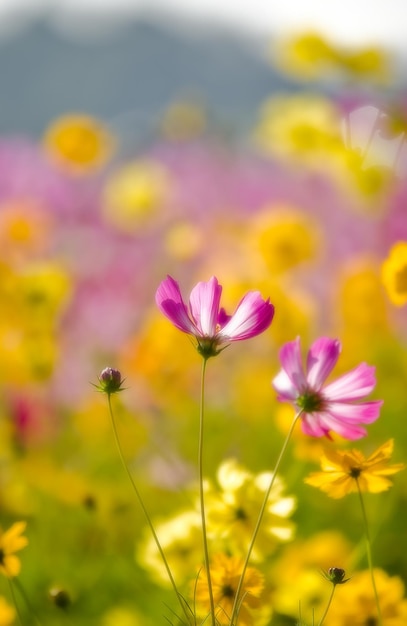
x,y
11,541
347,471
232,510
394,273
357,606
7,613
78,142
225,575
362,301
181,540
285,237
308,55
184,240
134,193
369,62
25,230
43,289
304,128
296,574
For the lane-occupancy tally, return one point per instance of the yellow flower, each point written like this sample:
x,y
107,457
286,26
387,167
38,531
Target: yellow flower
x,y
296,574
12,541
181,540
362,302
394,273
285,238
135,193
347,471
303,128
225,575
358,607
78,142
369,62
232,510
307,55
7,613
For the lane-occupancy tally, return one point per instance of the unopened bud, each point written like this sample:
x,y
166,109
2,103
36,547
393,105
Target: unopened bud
x,y
336,575
110,380
60,597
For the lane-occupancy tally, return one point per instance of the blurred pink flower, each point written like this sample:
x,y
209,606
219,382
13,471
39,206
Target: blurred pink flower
x,y
329,408
208,323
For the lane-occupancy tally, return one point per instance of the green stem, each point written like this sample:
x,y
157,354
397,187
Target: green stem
x,y
321,621
26,600
146,514
260,518
13,597
201,493
369,553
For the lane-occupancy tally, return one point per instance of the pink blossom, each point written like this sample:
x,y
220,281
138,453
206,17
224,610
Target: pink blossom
x,y
206,321
335,406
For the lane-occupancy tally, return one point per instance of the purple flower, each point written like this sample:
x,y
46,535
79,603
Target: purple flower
x,y
206,321
335,406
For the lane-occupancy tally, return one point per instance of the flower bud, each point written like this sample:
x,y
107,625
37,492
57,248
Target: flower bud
x,y
60,597
336,575
110,380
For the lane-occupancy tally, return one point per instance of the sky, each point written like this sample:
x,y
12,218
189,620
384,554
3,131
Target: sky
x,y
354,22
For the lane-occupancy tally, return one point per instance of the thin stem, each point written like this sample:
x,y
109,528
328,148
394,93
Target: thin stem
x,y
13,597
201,493
143,508
26,600
369,552
260,517
321,621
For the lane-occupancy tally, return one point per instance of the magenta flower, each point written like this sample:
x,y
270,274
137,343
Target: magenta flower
x,y
335,406
208,323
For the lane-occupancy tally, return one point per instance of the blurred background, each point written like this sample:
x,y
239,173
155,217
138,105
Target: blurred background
x,y
262,144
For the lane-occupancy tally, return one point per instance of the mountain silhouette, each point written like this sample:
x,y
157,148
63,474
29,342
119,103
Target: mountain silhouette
x,y
136,71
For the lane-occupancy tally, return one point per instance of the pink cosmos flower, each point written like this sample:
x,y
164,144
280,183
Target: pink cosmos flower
x,y
208,323
335,406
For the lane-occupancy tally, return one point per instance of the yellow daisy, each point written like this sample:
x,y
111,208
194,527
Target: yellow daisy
x,y
225,576
12,541
347,471
78,142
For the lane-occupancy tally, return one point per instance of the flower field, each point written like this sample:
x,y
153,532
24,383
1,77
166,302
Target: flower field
x,y
143,480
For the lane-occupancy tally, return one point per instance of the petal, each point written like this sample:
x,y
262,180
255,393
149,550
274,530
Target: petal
x,y
321,360
290,358
312,425
12,565
169,300
336,485
204,305
285,388
347,430
374,483
364,413
252,316
354,385
12,539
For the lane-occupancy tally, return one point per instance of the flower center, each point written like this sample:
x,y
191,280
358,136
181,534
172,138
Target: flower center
x,y
207,347
2,555
240,513
311,401
355,472
228,591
